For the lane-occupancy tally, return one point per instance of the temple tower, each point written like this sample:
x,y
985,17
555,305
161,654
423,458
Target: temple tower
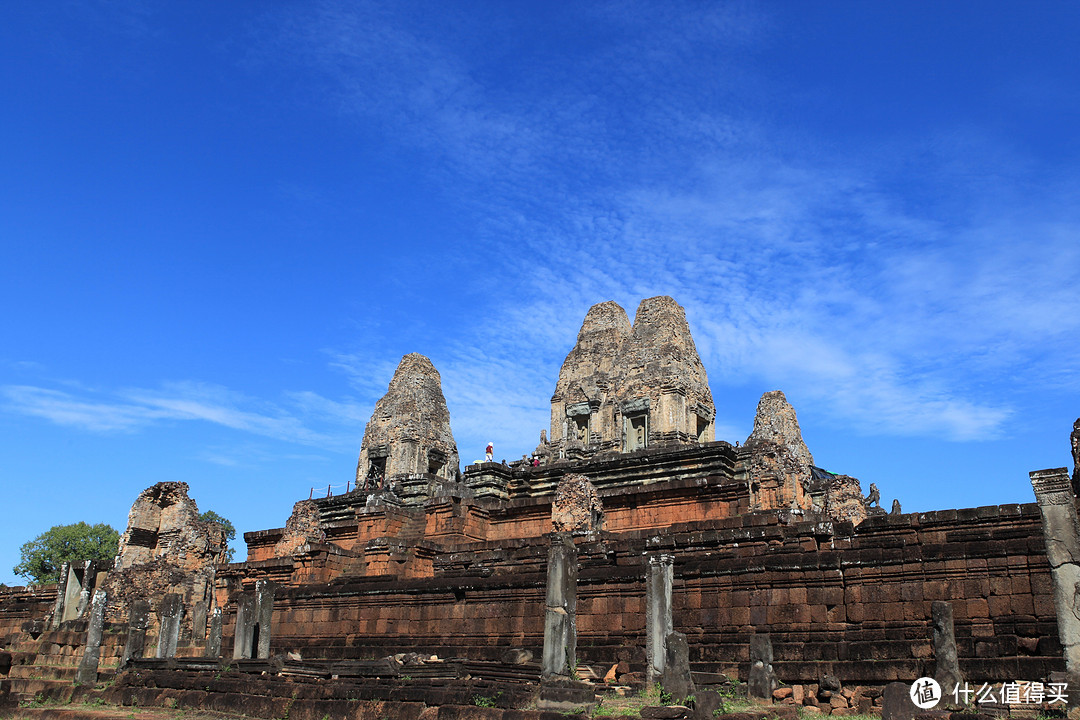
x,y
626,387
409,432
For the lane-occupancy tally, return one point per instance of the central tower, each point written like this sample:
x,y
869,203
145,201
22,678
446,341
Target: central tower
x,y
627,387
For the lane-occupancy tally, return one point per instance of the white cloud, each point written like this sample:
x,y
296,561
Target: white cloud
x,y
64,409
132,409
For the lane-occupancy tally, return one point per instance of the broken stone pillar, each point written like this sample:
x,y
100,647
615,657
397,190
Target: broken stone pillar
x,y
1074,439
762,680
264,611
947,672
138,619
560,621
1061,531
658,620
61,597
213,642
198,623
245,625
88,667
171,613
72,595
676,678
84,598
896,702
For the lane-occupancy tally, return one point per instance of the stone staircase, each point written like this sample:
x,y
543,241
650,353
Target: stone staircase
x,y
44,664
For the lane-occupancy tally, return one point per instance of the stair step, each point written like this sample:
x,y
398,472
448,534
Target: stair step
x,y
44,672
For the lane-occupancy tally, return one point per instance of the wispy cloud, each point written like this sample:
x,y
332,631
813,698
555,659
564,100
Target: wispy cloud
x,y
65,409
614,170
885,285
133,409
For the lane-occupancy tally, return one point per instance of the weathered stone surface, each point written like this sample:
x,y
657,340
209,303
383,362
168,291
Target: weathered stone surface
x,y
88,666
565,695
676,678
517,656
664,712
213,639
845,500
170,615
658,614
264,613
245,644
409,432
947,671
166,548
138,620
778,463
777,423
1061,532
707,704
576,507
897,704
560,617
781,471
301,529
589,371
623,387
660,362
828,686
1074,440
762,680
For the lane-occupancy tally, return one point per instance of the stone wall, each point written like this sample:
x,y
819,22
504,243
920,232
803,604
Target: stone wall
x,y
19,605
851,601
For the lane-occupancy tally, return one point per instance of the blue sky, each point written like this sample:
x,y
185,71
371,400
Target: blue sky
x,y
223,224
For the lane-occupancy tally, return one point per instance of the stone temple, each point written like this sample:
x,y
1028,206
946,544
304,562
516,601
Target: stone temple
x,y
638,549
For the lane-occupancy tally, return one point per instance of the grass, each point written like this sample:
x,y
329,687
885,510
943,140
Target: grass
x,y
734,701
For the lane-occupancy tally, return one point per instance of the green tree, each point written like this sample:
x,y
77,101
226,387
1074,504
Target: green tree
x,y
42,557
230,531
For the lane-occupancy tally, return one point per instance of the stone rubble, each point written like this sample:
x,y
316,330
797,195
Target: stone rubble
x,y
576,508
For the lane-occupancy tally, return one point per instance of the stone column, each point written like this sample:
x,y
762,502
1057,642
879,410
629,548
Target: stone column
x,y
171,613
1061,531
762,680
213,643
245,625
677,678
61,597
198,621
88,667
138,619
264,612
658,618
560,621
88,579
947,672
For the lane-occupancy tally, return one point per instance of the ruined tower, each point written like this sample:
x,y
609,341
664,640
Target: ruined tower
x,y
778,463
583,403
409,432
626,387
662,383
781,473
167,549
